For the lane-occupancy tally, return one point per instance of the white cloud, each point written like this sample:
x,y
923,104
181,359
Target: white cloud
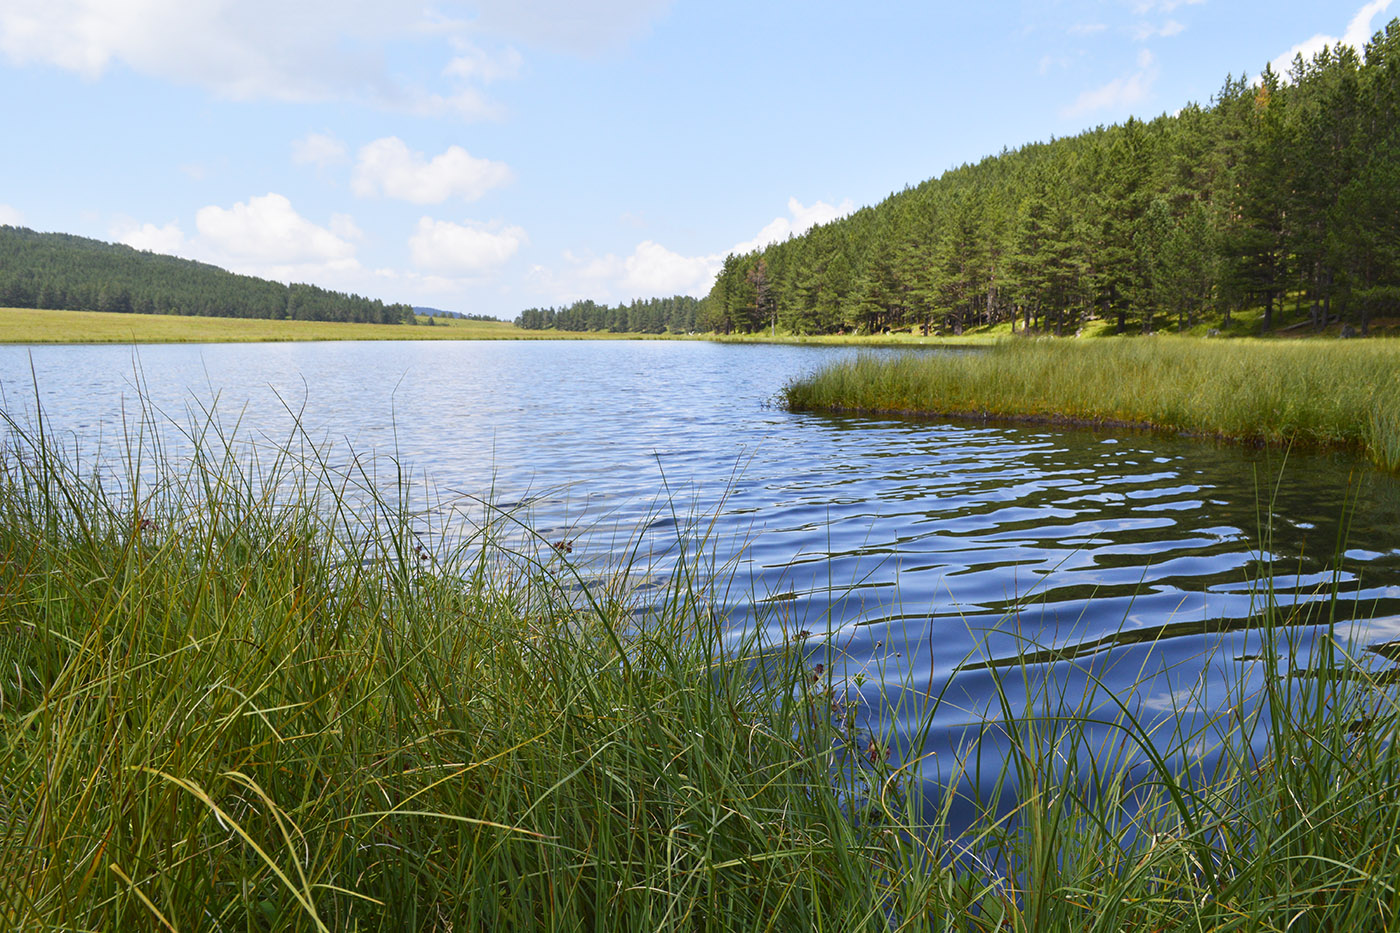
x,y
475,64
267,229
803,219
1144,31
169,239
1359,32
654,270
455,249
344,226
1144,7
581,26
265,237
10,217
1119,93
387,166
1087,29
310,50
250,49
467,104
318,149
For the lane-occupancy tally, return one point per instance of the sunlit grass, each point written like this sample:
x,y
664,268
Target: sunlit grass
x,y
1318,393
262,695
25,325
894,339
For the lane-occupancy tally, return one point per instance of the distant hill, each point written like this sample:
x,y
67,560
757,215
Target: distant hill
x,y
425,311
72,273
1282,194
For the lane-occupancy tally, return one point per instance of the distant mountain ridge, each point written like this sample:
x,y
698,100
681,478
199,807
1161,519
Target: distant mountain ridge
x,y
61,271
426,311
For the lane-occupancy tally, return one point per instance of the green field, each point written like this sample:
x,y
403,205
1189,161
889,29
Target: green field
x,y
1318,393
23,325
26,325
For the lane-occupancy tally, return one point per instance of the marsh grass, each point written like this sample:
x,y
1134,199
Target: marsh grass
x,y
247,691
1339,394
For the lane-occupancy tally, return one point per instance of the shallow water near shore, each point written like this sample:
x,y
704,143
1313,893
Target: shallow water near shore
x,y
899,553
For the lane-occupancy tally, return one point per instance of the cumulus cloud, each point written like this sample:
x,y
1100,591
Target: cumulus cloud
x,y
447,248
10,217
168,239
1121,92
467,104
267,229
586,27
1144,31
344,226
473,63
318,149
652,269
1359,32
311,50
1144,7
264,236
803,219
388,167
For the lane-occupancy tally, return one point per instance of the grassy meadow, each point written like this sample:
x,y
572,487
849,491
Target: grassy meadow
x,y
259,695
1340,394
27,325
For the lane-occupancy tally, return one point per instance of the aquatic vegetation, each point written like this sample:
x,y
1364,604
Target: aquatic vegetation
x,y
1313,393
258,694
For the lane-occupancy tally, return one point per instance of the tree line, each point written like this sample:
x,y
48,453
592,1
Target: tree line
x,y
1282,194
676,315
63,272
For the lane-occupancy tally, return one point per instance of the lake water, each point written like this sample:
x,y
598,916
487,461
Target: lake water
x,y
912,551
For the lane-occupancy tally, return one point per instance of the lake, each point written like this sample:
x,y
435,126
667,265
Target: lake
x,y
906,555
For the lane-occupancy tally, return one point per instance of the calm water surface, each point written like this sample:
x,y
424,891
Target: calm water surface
x,y
898,544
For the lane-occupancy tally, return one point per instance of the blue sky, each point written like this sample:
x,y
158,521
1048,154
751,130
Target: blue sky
x,y
494,155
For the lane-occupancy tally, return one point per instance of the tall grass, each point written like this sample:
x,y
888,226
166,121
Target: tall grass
x,y
1319,393
247,692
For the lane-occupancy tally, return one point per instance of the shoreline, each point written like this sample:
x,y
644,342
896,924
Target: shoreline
x,y
1069,421
1339,396
41,327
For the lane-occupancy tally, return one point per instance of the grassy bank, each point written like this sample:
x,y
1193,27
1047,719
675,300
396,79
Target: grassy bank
x,y
221,710
33,326
1343,394
899,339
27,325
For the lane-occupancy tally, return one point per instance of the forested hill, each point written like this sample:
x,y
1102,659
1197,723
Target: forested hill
x,y
59,271
1282,195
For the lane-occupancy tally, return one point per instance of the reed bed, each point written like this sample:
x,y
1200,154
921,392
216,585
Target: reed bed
x,y
249,692
1342,394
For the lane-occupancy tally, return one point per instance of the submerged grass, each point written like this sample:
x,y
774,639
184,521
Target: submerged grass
x,y
261,696
1343,394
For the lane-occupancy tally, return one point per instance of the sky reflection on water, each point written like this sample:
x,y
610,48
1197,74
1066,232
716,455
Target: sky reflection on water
x,y
913,549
